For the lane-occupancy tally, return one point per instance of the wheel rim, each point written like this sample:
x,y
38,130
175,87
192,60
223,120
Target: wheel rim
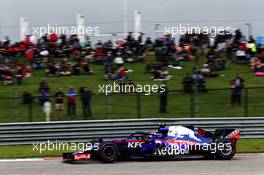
x,y
109,151
226,151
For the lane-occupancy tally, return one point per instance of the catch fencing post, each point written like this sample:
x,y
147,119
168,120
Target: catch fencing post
x,y
30,112
192,107
246,102
109,105
138,106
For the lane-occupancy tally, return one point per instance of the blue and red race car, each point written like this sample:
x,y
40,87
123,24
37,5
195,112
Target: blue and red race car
x,y
168,143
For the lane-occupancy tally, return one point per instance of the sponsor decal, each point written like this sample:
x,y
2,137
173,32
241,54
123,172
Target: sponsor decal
x,y
134,144
82,156
172,149
234,136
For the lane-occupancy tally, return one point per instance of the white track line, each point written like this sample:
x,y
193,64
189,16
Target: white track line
x,y
249,154
22,160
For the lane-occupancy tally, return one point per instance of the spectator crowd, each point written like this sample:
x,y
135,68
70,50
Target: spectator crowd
x,y
67,56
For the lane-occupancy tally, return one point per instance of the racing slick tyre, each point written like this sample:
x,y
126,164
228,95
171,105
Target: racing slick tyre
x,y
225,149
108,152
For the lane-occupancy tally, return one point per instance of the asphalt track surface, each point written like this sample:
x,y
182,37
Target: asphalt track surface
x,y
243,164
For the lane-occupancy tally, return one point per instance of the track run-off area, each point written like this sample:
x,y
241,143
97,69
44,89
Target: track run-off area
x,y
241,164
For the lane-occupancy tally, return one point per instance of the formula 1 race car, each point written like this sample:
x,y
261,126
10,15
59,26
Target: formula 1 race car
x,y
168,143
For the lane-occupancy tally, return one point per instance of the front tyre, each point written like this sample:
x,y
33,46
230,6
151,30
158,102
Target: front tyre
x,y
108,152
225,149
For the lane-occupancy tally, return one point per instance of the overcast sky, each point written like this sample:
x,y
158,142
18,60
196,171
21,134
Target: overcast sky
x,y
234,13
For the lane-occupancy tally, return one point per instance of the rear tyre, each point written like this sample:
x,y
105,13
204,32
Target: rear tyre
x,y
225,149
108,152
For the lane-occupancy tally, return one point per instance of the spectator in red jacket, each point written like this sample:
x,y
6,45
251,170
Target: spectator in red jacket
x,y
53,37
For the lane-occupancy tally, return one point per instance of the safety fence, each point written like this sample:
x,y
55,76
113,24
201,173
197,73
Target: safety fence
x,y
82,131
214,103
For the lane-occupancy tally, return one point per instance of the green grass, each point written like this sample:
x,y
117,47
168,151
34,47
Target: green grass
x,y
212,104
243,146
250,145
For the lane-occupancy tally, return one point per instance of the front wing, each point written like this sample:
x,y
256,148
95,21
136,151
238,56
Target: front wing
x,y
76,157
